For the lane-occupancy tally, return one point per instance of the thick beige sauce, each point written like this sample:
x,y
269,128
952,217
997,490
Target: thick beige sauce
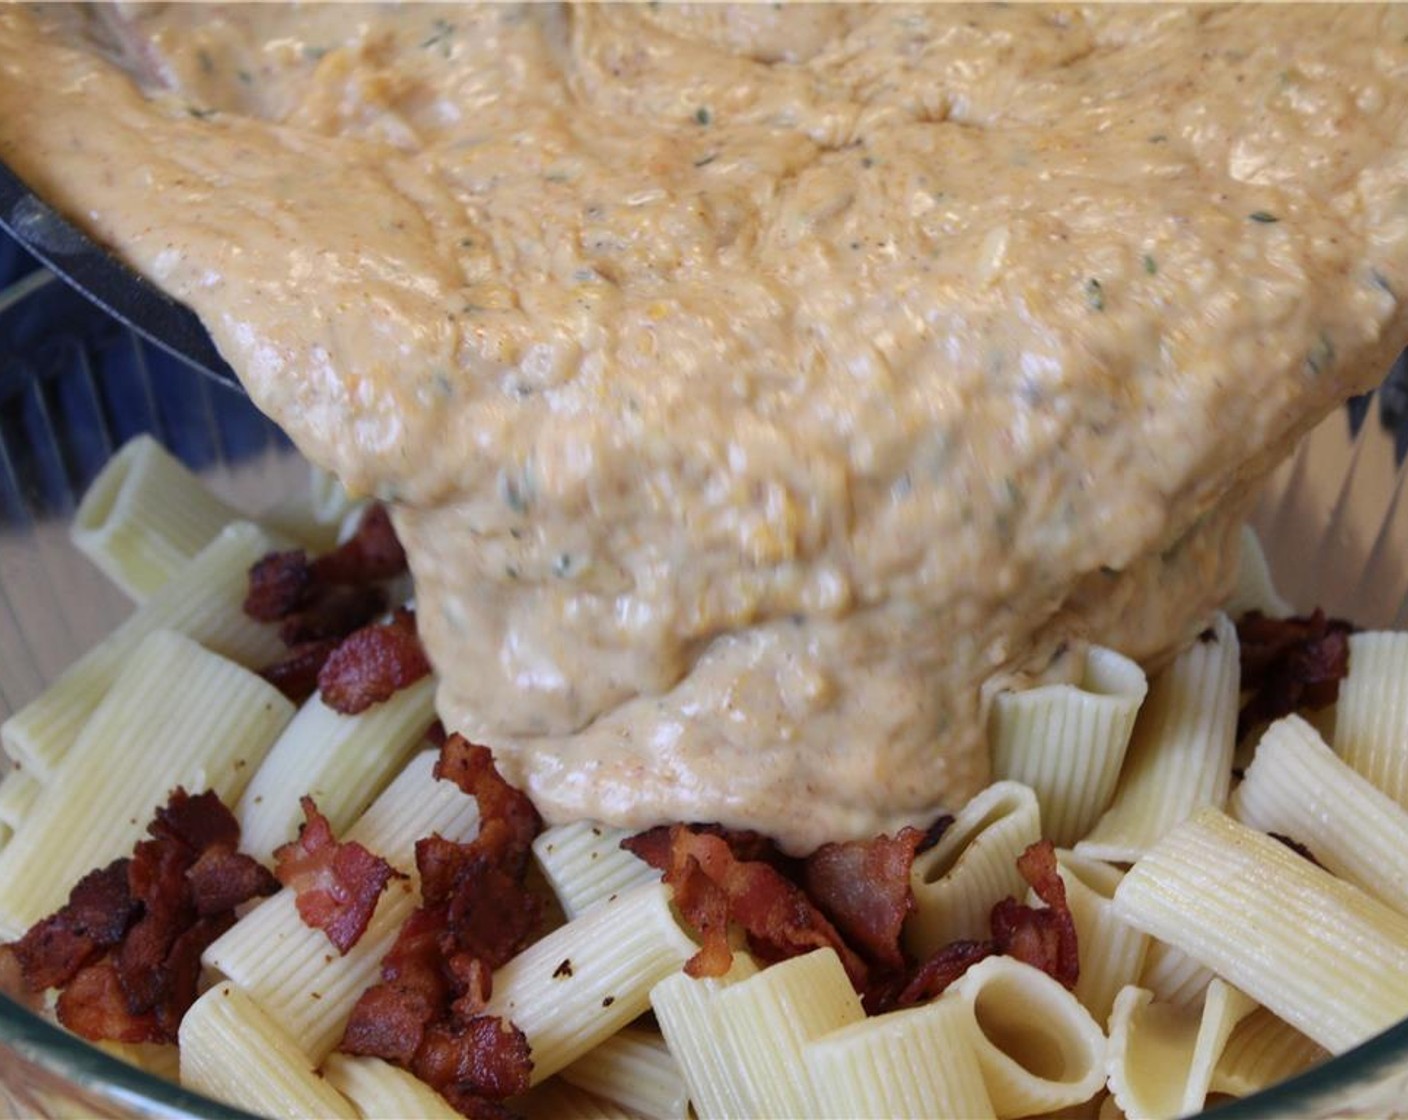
x,y
756,385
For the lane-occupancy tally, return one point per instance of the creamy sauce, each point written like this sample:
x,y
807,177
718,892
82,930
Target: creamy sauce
x,y
756,386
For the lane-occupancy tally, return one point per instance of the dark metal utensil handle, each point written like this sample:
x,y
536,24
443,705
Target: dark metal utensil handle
x,y
105,280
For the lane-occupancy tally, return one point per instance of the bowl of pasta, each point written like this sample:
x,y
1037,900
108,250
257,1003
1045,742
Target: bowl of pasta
x,y
1242,943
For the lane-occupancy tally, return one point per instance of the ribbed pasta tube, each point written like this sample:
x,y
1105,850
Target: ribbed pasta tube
x,y
1112,952
1371,717
1181,755
586,980
177,715
1173,976
634,1069
1262,1052
233,1051
18,791
585,864
684,1008
145,517
341,761
1038,1048
1162,1057
204,601
1067,742
972,867
1296,787
919,1063
381,1091
1317,951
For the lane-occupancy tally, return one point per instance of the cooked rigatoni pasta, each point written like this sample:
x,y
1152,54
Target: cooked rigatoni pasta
x,y
1262,1051
204,601
1161,1056
918,1063
1296,787
161,1059
145,517
234,1052
1319,952
1371,717
1067,742
341,761
18,791
177,715
973,866
381,1091
684,1007
1038,1048
585,864
635,1070
586,980
1180,757
1173,976
1112,952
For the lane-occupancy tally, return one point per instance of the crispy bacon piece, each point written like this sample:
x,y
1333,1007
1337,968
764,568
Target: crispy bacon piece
x,y
332,612
278,584
863,887
372,664
99,910
1297,847
1042,938
94,1006
371,554
337,883
425,1014
126,948
484,1057
1290,664
941,970
778,917
296,673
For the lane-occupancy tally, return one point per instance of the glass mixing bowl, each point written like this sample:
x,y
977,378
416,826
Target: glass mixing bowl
x,y
74,386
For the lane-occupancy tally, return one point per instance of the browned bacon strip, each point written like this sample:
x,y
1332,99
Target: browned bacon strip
x,y
371,554
337,883
99,910
296,673
477,913
863,887
278,584
1290,664
372,664
126,948
1042,938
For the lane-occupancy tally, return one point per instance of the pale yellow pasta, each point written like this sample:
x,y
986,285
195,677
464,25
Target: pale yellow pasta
x,y
1112,952
161,1059
381,1091
18,791
586,980
635,1070
232,1051
973,866
1254,589
1262,1051
341,761
145,517
585,864
204,601
1173,976
1067,741
177,715
1038,1048
1317,951
1161,1056
292,970
1371,716
685,1009
919,1062
557,1100
1181,755
1296,787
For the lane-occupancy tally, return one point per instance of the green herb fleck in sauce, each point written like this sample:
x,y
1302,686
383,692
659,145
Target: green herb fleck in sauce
x,y
1151,266
1265,217
703,116
1094,295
